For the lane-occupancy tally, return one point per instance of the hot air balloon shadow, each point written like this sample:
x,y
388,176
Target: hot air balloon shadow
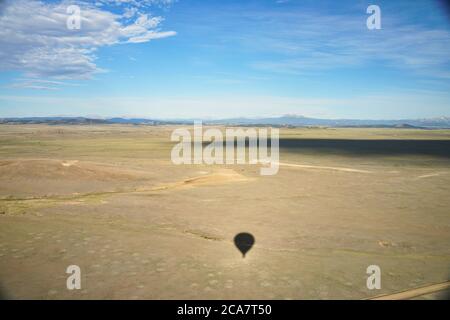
x,y
244,242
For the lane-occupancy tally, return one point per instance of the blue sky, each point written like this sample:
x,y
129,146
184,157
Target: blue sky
x,y
216,59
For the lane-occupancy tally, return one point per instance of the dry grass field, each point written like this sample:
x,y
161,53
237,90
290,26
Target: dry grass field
x,y
108,199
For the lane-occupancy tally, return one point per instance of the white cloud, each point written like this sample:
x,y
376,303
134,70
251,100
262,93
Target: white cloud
x,y
35,39
136,3
150,35
40,84
130,12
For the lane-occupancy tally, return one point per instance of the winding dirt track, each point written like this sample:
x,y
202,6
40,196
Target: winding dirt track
x,y
303,166
413,293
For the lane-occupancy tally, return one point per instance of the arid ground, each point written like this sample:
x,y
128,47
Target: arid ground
x,y
108,199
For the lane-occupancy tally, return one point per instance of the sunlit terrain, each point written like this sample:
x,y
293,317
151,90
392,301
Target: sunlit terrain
x,y
109,199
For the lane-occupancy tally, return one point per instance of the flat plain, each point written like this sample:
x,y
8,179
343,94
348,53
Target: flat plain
x,y
108,199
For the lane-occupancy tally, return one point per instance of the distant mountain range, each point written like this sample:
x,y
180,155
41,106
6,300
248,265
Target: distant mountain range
x,y
283,121
300,121
83,120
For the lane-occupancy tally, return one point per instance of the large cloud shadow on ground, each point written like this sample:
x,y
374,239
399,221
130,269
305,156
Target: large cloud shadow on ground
x,y
439,148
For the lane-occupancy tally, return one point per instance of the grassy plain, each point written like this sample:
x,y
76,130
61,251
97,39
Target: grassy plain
x,y
108,199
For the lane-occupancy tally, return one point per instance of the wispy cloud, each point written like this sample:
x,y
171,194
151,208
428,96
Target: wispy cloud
x,y
40,84
35,39
302,42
